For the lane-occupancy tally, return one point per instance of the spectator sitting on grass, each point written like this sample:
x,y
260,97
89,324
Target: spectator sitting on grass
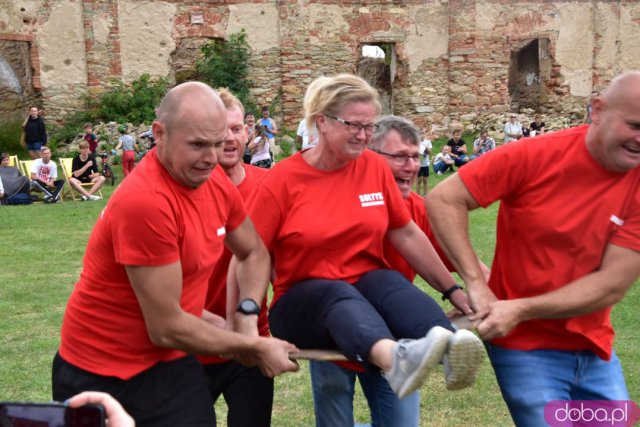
x,y
443,160
458,148
12,180
483,145
537,126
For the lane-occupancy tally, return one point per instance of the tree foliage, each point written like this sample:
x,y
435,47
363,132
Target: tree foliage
x,y
226,63
131,103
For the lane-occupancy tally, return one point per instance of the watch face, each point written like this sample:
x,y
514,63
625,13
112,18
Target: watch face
x,y
249,306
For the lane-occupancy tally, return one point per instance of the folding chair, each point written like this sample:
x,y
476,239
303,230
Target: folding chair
x,y
66,164
25,167
13,161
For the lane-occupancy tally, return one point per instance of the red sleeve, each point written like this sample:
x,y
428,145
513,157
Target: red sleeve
x,y
149,239
628,235
236,212
497,174
266,214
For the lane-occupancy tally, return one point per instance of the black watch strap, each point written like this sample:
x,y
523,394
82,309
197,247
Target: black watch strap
x,y
447,294
248,306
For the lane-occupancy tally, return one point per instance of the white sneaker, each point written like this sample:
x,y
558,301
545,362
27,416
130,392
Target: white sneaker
x,y
462,360
439,173
94,197
84,198
413,360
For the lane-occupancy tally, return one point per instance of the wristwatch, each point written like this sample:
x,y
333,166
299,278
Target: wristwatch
x,y
248,306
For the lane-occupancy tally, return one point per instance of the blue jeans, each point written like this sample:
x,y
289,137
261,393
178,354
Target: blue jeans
x,y
460,160
440,167
529,380
333,389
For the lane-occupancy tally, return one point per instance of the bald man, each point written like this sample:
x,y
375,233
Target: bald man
x,y
136,316
568,249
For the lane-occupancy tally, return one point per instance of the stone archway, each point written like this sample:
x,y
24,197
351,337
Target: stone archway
x,y
529,70
184,57
377,65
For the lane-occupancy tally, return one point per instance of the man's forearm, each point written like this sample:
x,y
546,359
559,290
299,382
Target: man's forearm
x,y
448,215
253,274
417,250
595,291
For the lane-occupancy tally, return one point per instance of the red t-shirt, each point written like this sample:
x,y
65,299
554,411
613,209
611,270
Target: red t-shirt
x,y
217,294
328,225
150,221
418,212
554,222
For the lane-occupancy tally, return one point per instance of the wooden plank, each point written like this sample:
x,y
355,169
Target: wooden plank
x,y
324,355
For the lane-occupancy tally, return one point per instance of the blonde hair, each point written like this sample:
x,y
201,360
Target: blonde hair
x,y
229,100
327,95
83,144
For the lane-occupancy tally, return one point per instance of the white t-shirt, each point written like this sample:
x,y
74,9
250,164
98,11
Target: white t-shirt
x,y
425,146
441,157
262,153
45,171
309,139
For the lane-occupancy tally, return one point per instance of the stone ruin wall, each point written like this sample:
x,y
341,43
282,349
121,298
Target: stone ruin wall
x,y
453,60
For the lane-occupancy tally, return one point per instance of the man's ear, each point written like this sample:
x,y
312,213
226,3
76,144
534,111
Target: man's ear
x,y
159,132
598,107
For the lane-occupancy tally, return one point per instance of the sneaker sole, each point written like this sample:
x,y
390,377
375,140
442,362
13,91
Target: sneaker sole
x,y
439,341
464,359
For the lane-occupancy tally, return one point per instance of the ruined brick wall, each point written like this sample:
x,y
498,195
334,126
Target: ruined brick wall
x,y
453,60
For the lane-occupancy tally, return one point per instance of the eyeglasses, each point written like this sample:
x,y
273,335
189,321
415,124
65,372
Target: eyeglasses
x,y
400,159
354,128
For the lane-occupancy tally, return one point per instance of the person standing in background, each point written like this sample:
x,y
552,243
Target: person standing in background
x,y
35,133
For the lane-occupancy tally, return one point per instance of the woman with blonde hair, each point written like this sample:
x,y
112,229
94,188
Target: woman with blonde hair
x,y
324,214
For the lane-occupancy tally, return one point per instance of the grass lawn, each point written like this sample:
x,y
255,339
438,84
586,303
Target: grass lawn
x,y
41,252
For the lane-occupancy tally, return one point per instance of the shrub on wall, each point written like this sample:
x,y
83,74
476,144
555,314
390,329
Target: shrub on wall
x,y
131,103
225,63
10,138
123,103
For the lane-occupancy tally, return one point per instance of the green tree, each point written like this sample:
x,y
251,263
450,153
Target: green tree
x,y
225,63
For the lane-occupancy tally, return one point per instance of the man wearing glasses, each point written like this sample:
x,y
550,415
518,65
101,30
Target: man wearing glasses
x,y
512,130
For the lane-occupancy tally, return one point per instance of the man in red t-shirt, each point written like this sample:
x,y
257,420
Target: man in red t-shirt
x,y
568,248
247,392
137,312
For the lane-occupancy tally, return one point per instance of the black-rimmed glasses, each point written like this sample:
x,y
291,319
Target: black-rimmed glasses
x,y
400,159
354,128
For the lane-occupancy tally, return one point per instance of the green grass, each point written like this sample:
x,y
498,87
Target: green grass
x,y
41,252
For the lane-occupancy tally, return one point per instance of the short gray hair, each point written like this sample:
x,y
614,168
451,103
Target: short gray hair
x,y
407,130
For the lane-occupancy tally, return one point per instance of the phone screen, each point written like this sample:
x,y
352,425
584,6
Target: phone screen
x,y
24,414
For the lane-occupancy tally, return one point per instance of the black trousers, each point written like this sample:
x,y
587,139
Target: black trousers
x,y
248,393
320,313
167,394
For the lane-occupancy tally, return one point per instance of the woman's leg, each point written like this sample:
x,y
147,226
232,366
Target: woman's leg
x,y
327,314
407,311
